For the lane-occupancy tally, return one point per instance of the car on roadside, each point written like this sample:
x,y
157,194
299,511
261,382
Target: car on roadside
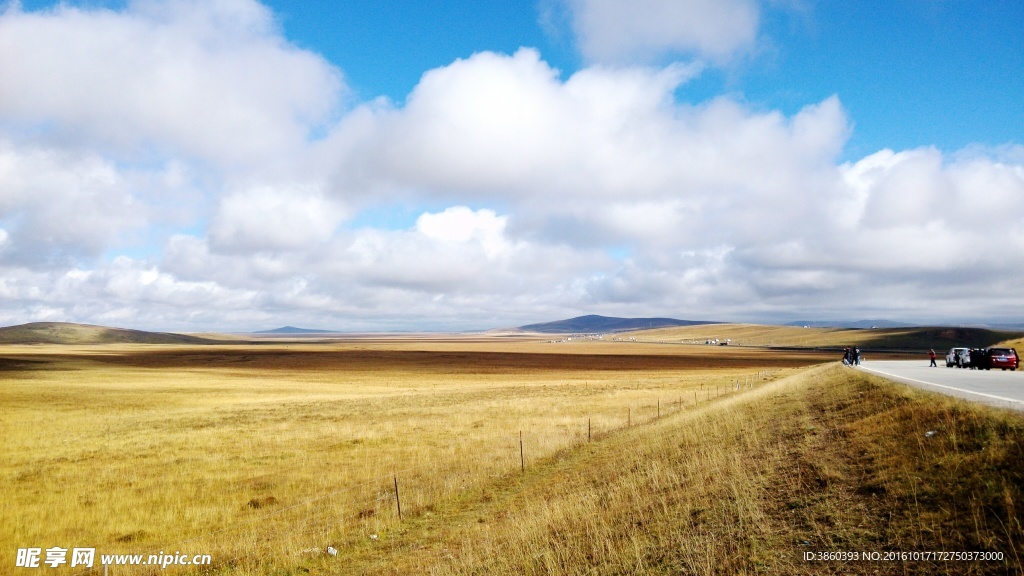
x,y
1002,358
958,357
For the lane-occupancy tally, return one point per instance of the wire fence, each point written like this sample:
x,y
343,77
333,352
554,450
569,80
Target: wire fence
x,y
320,521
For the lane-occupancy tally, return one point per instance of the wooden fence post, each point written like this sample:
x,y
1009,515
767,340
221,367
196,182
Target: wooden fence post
x,y
398,500
522,458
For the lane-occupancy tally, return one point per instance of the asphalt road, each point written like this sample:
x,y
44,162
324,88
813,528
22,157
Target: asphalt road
x,y
1004,389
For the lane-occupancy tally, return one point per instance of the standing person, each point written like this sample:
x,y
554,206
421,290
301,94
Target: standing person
x,y
856,355
931,354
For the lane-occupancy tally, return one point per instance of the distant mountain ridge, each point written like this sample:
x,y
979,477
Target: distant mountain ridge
x,y
851,324
71,333
593,323
294,330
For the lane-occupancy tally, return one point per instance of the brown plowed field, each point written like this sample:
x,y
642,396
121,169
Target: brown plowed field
x,y
436,357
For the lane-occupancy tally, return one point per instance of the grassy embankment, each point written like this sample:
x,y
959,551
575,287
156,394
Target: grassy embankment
x,y
821,459
1017,343
831,459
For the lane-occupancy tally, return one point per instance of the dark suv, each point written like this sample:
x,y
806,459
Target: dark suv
x,y
1002,358
977,359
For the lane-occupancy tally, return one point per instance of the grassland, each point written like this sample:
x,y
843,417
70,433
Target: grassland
x,y
699,460
1017,343
912,339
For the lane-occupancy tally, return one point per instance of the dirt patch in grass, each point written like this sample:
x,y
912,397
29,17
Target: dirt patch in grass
x,y
452,362
20,364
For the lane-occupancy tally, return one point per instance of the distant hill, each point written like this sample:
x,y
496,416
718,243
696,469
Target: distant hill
x,y
913,338
850,324
294,330
593,323
1013,327
70,333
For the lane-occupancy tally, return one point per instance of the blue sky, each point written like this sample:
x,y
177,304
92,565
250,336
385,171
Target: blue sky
x,y
234,165
385,47
911,73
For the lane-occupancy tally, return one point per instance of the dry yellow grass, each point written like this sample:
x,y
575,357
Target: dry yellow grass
x,y
1017,343
757,335
263,456
829,460
920,338
139,449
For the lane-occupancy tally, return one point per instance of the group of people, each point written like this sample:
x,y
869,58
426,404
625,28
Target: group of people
x,y
851,356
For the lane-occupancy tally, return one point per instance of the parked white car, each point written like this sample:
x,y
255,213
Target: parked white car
x,y
958,357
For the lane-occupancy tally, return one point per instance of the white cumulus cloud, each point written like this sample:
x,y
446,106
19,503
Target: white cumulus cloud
x,y
181,165
57,205
274,218
213,80
460,224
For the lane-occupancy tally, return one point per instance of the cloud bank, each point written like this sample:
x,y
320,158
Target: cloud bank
x,y
624,31
181,165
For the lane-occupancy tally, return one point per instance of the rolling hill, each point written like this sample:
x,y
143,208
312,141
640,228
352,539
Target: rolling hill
x,y
911,338
70,333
